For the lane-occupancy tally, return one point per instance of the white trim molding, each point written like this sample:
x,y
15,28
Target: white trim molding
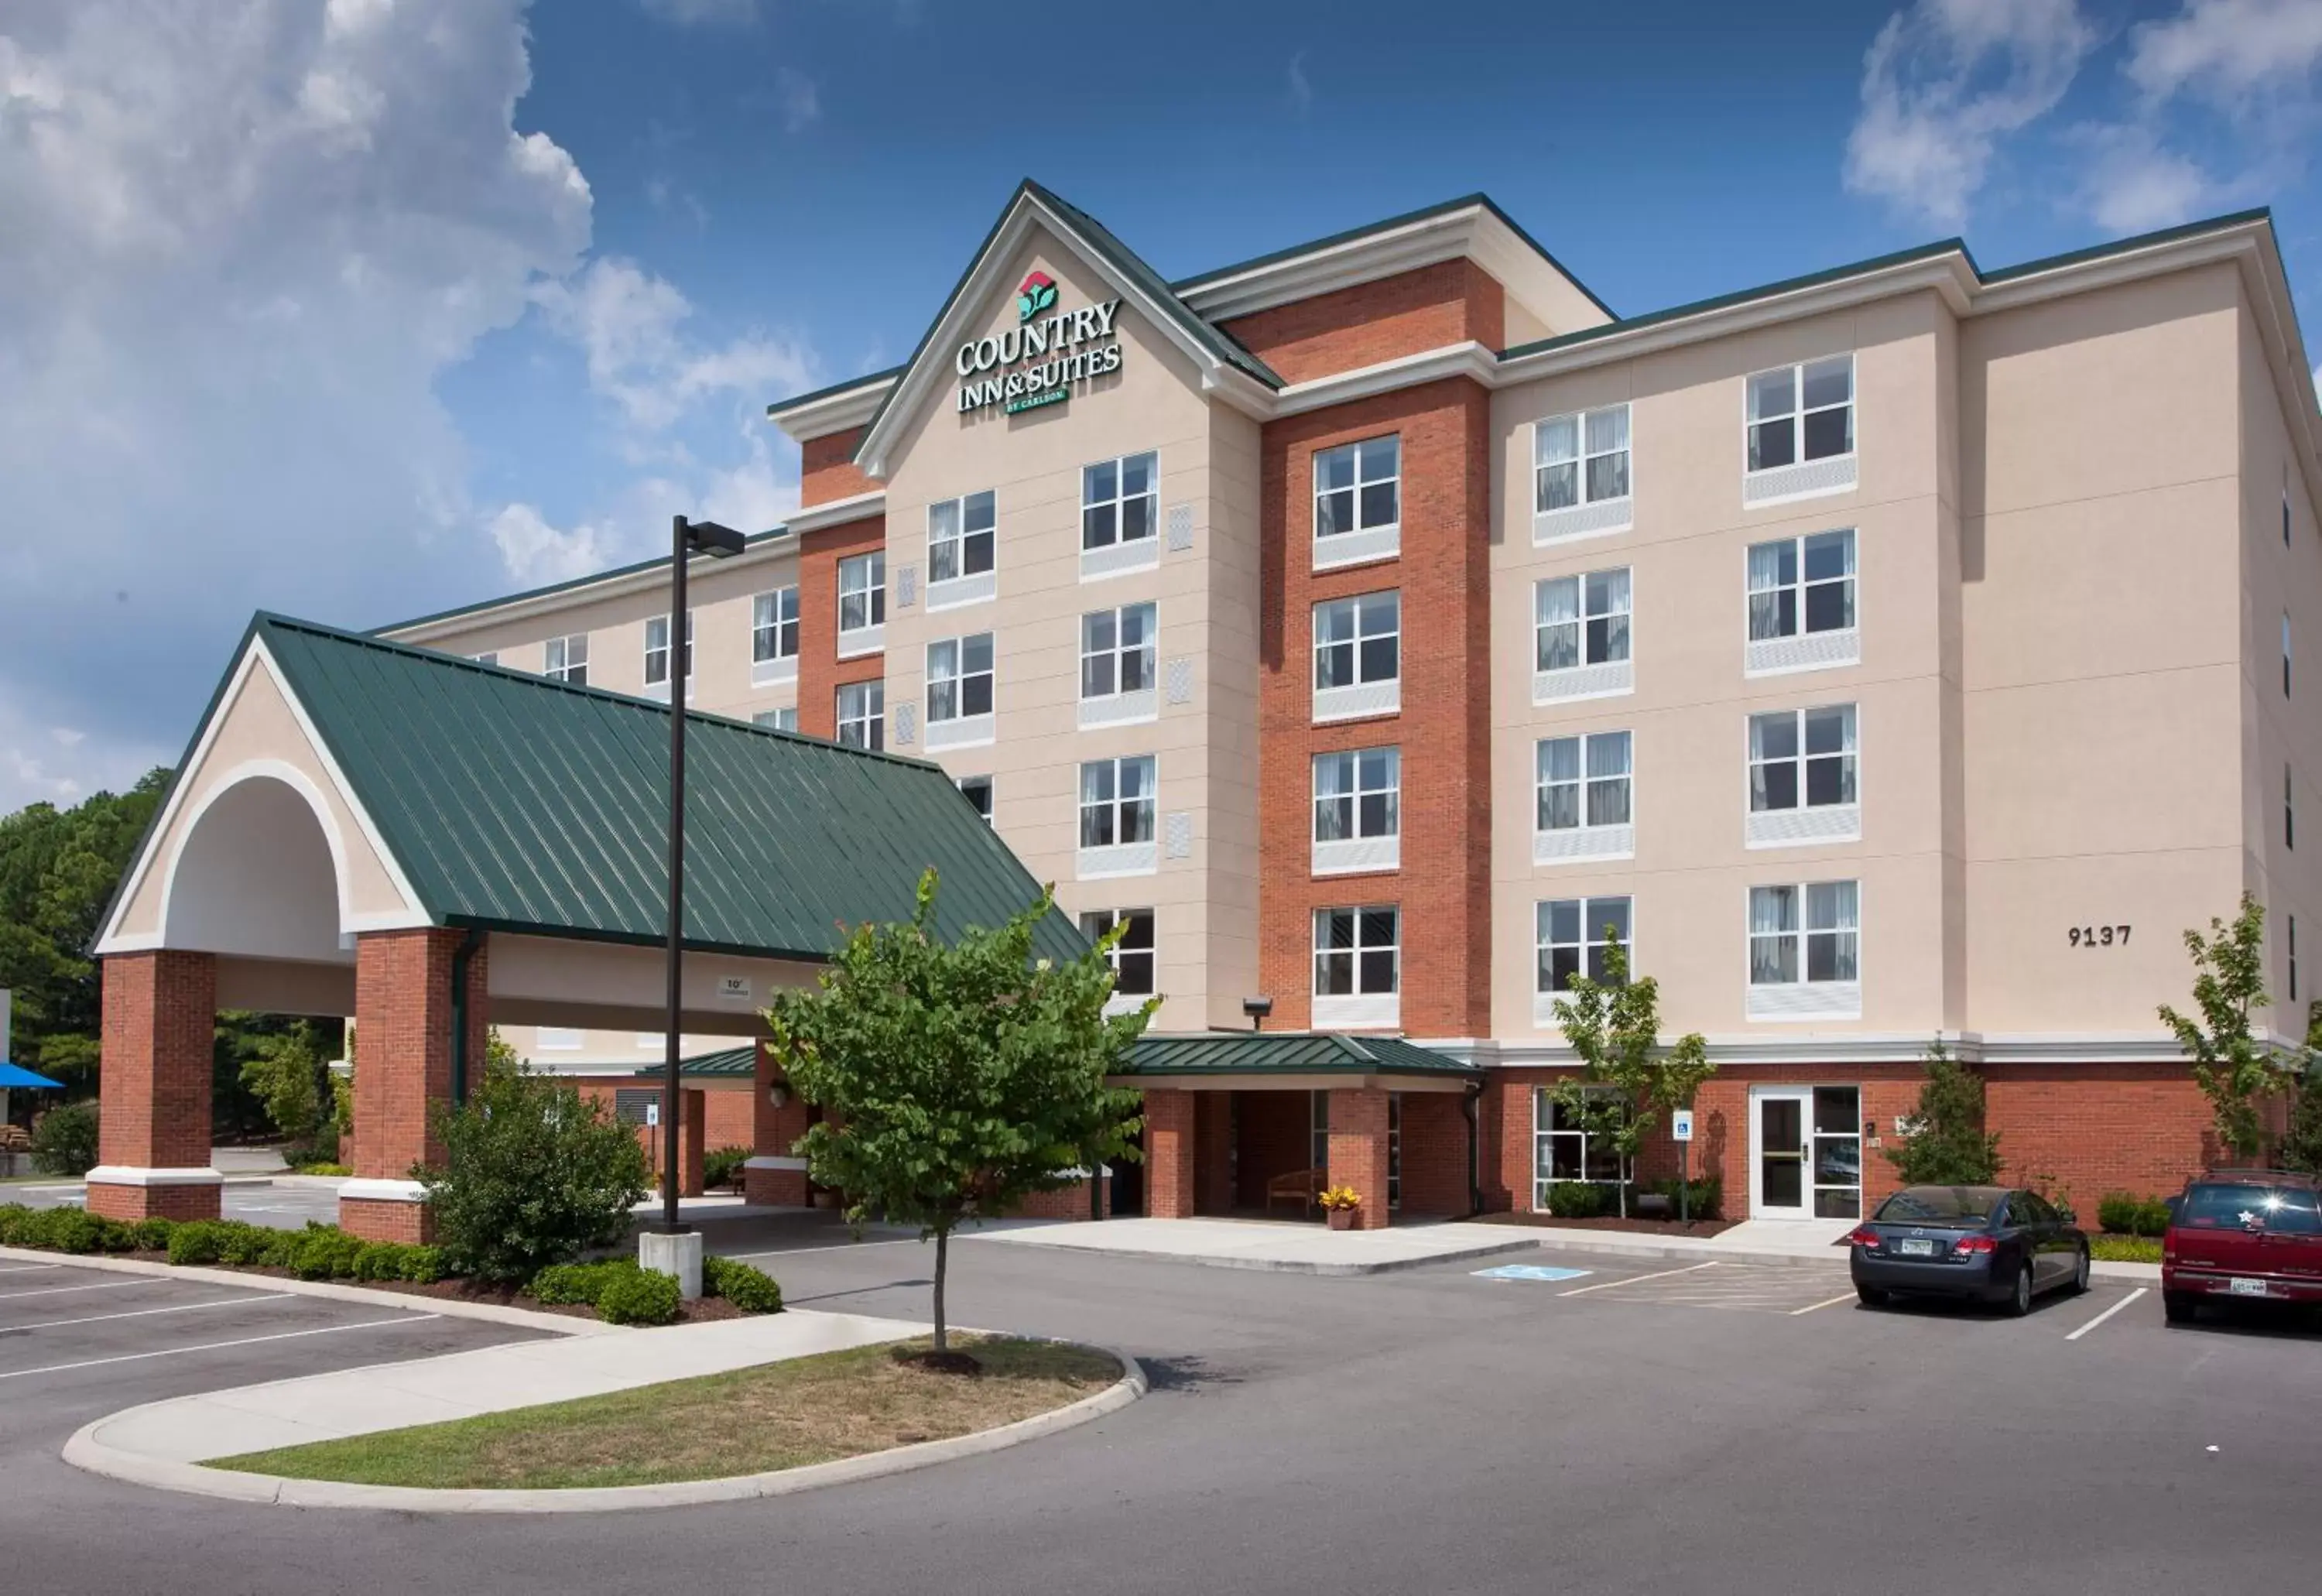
x,y
848,406
773,1162
382,1191
124,1175
837,512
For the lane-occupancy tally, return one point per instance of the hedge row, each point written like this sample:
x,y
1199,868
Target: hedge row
x,y
624,1293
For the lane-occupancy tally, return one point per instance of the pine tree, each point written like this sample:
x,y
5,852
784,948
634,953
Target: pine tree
x,y
1948,1145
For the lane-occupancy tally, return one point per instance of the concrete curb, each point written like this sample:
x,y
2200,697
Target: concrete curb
x,y
448,1306
1287,1265
1704,1252
84,1452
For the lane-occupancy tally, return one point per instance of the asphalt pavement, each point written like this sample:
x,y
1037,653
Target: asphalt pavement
x,y
1596,1425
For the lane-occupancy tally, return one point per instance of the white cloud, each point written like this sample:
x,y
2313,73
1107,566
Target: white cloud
x,y
795,93
1944,82
1302,89
239,248
2135,184
688,14
2228,50
536,554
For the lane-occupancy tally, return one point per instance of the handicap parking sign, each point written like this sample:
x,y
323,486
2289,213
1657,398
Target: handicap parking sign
x,y
1542,1272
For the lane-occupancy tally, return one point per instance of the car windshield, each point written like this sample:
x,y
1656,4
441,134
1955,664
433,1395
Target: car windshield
x,y
2236,1205
1942,1205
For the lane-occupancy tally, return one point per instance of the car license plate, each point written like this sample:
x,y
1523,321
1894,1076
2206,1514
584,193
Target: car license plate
x,y
1915,1249
2241,1285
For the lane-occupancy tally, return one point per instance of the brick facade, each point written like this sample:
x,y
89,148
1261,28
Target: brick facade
x,y
1358,1152
1431,307
774,1133
1433,1155
826,469
1443,887
1169,1153
821,673
403,1062
159,1012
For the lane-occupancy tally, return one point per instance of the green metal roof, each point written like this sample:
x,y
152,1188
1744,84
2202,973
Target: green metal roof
x,y
1286,1053
724,1063
516,803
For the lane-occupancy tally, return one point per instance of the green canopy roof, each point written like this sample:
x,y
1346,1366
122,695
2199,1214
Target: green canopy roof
x,y
1286,1053
726,1062
516,802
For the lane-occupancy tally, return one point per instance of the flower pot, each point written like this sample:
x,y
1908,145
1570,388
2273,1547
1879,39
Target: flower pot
x,y
1343,1218
824,1200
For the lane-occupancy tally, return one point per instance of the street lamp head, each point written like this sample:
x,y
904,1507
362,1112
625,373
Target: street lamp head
x,y
1257,1008
707,537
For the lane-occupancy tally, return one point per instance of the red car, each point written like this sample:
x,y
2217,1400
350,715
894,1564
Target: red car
x,y
2242,1235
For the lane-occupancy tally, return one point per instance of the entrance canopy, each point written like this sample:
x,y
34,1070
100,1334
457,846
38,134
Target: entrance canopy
x,y
1291,1060
340,784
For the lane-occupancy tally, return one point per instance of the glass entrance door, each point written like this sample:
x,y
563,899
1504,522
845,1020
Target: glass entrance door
x,y
1838,1152
1778,1154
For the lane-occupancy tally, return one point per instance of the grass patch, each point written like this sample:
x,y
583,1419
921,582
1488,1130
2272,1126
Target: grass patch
x,y
776,1416
2126,1249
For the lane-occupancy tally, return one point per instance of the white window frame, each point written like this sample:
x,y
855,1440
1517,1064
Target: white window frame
x,y
1131,826
1373,779
1359,1005
1121,706
1588,839
566,659
870,718
1363,538
1096,923
490,657
1805,648
1804,822
774,636
966,533
1548,1000
784,719
1544,1135
1590,513
868,575
955,675
1800,477
968,784
1592,676
657,687
1120,550
1806,996
1364,696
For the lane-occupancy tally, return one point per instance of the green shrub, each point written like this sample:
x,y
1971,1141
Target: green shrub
x,y
637,1296
423,1265
2119,1214
562,1284
64,1142
1704,1197
722,1166
323,1252
752,1289
12,1215
70,1230
379,1260
153,1235
197,1242
247,1243
533,1175
1576,1200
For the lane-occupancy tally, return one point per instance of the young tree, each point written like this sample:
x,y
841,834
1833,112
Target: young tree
x,y
2229,1065
1625,1082
288,1070
957,1080
1948,1145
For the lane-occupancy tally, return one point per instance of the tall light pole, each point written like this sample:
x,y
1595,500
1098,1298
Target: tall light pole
x,y
687,539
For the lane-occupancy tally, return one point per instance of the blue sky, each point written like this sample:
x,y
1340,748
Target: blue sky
x,y
360,308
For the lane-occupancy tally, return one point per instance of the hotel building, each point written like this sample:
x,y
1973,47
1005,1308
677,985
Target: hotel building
x,y
1910,650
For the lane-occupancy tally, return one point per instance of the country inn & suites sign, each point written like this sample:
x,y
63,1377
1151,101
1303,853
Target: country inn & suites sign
x,y
1038,362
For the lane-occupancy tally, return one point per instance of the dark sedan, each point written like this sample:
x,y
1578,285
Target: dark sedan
x,y
1990,1244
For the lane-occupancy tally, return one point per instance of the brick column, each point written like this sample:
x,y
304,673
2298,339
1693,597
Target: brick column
x,y
1213,1140
776,1173
1169,1153
154,1134
403,1071
1358,1152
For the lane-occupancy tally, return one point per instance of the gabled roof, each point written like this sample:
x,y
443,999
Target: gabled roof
x,y
512,802
725,1063
1286,1053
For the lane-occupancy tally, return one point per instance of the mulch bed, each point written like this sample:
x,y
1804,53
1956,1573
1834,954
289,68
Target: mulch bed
x,y
702,1311
1612,1222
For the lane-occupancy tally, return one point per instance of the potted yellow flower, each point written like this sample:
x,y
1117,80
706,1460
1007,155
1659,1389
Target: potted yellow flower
x,y
1342,1204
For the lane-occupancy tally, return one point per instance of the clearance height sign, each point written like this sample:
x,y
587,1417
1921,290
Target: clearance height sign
x,y
1037,361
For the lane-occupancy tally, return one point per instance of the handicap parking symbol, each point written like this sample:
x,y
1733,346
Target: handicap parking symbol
x,y
1540,1271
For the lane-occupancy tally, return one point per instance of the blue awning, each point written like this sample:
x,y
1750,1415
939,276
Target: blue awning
x,y
16,1075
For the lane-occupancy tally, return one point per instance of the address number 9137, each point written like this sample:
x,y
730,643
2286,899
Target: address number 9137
x,y
2098,936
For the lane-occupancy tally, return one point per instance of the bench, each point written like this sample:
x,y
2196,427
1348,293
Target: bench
x,y
1299,1186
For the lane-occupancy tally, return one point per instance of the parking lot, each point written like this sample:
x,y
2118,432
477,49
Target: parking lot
x,y
282,1205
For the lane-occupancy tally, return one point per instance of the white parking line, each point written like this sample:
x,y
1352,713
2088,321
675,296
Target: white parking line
x,y
111,1285
171,1352
2107,1314
836,1247
1833,1302
28,1268
1636,1279
139,1313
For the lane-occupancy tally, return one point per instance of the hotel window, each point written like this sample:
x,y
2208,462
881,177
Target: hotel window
x,y
863,714
487,659
1801,603
1580,460
1117,801
1799,414
1804,944
1801,776
1571,935
1357,952
1357,804
1580,636
1132,957
959,679
568,659
558,1039
862,603
1582,797
978,790
774,631
960,549
1117,663
782,720
1357,501
657,652
1562,1149
1358,656
1118,501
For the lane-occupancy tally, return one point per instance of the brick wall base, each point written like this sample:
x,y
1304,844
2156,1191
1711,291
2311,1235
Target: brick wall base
x,y
775,1187
153,1202
1071,1203
374,1220
1358,1152
1169,1153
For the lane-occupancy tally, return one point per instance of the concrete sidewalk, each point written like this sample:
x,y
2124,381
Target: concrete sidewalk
x,y
1752,1241
460,1385
1273,1244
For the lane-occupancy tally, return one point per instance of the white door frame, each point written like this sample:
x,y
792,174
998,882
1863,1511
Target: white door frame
x,y
1803,1096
